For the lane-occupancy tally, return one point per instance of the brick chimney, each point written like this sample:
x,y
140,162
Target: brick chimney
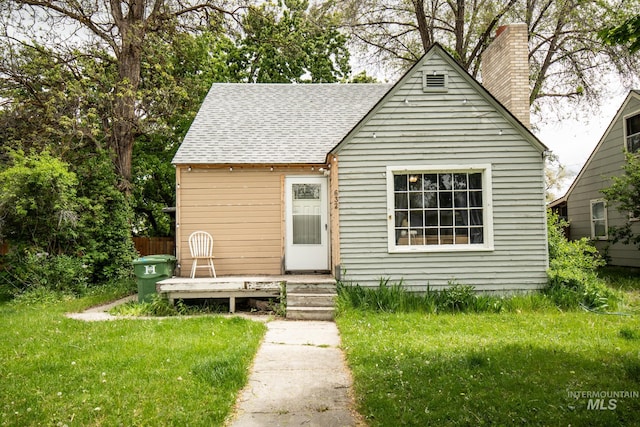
x,y
505,70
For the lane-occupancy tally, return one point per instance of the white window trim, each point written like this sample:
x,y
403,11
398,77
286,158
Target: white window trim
x,y
624,129
487,208
606,220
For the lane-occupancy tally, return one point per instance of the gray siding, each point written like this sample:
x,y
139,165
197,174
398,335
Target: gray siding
x,y
435,129
606,161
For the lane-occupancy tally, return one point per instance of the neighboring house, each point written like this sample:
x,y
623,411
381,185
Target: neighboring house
x,y
428,181
584,206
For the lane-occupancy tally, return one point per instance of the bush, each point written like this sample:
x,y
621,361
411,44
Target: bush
x,y
78,221
38,203
573,278
458,298
59,273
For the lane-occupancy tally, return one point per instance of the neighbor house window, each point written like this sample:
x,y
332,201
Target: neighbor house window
x,y
599,220
438,209
632,133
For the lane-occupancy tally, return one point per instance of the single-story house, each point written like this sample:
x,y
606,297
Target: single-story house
x,y
428,181
584,205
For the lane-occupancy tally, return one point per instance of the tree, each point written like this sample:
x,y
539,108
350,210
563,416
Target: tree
x,y
117,32
39,207
624,194
566,57
555,176
626,33
64,232
291,42
62,100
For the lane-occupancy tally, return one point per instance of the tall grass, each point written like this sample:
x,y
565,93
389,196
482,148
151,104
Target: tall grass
x,y
396,298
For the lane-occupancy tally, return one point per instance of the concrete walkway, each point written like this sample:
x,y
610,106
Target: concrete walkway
x,y
101,312
299,378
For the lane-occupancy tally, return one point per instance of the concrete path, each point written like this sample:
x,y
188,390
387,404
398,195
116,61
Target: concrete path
x,y
101,312
299,378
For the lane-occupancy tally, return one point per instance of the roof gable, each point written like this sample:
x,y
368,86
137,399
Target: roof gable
x,y
274,123
438,51
633,95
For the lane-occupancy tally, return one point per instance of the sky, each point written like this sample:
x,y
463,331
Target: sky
x,y
573,139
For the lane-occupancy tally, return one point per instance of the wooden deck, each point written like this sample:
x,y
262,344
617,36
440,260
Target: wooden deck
x,y
233,287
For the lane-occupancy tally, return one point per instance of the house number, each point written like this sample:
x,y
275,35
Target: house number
x,y
149,269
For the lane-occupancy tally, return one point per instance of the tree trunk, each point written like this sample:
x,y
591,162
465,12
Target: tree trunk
x,y
132,30
423,28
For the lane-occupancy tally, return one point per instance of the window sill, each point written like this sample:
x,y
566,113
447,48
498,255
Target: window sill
x,y
439,249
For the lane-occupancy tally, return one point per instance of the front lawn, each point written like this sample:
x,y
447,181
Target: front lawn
x,y
173,371
510,368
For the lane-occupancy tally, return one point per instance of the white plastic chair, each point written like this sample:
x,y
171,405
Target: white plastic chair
x,y
201,246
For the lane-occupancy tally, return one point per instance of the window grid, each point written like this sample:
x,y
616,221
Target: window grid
x,y
633,133
438,209
599,220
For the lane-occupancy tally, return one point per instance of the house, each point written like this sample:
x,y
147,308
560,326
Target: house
x,y
427,181
584,206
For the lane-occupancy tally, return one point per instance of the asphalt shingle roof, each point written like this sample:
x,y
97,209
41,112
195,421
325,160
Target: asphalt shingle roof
x,y
275,123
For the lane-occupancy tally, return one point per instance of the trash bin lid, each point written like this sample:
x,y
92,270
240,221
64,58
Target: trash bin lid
x,y
153,259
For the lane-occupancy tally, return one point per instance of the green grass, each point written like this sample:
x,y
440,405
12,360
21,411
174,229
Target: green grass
x,y
519,366
173,371
491,369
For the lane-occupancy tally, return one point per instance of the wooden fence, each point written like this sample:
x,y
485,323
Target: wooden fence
x,y
155,245
144,245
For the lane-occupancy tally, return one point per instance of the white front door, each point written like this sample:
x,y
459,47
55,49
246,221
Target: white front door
x,y
307,226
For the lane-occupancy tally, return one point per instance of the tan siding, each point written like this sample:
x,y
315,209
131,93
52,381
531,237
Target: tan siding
x,y
243,211
435,129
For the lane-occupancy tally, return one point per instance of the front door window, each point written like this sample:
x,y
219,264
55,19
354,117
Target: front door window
x,y
307,216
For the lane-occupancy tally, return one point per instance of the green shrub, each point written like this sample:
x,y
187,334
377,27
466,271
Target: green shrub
x,y
458,297
39,207
78,218
58,273
572,276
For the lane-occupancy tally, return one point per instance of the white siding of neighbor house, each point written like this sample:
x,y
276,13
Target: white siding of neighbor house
x,y
434,129
606,161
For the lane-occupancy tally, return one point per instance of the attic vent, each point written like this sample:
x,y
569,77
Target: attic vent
x,y
434,81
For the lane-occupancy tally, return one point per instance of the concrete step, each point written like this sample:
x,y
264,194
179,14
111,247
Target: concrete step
x,y
311,300
310,313
311,288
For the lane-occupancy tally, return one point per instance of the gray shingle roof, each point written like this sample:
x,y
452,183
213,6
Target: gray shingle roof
x,y
275,123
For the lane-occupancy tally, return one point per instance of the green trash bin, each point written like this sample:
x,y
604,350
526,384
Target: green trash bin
x,y
149,270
